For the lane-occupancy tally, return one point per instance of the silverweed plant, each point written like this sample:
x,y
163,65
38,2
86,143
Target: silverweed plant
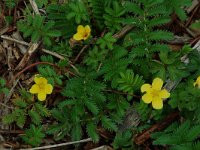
x,y
103,55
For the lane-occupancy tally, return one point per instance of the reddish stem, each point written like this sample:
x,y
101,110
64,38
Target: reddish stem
x,y
35,64
145,135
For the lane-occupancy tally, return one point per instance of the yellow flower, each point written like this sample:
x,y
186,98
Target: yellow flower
x,y
197,82
82,33
154,93
41,87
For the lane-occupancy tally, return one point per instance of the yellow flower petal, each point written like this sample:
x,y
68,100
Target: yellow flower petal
x,y
87,29
77,37
36,79
42,96
195,83
87,32
40,80
157,103
80,29
34,89
157,84
164,94
145,87
198,79
48,88
147,98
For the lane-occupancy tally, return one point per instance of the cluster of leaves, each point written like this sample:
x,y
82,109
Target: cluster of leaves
x,y
129,83
185,96
36,28
179,137
170,64
98,54
123,140
86,104
34,135
176,6
147,45
78,12
145,19
10,3
26,110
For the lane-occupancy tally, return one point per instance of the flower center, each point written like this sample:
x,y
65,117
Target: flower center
x,y
155,93
41,86
85,35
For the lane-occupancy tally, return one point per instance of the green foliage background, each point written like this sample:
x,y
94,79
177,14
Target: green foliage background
x,y
108,75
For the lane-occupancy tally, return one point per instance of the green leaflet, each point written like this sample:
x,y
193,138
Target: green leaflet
x,y
37,29
180,137
34,135
78,12
3,88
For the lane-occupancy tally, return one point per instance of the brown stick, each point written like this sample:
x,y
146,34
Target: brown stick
x,y
192,16
123,31
82,50
59,145
33,47
2,131
145,135
30,66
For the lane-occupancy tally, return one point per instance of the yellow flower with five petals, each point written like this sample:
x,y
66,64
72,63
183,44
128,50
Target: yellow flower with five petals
x,y
82,33
197,82
154,93
41,87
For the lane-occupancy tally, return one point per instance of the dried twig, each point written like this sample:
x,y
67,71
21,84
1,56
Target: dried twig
x,y
34,6
4,30
30,66
123,31
53,54
191,16
7,98
82,50
22,48
104,147
14,40
192,7
4,105
59,145
9,57
3,131
44,50
33,47
27,44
